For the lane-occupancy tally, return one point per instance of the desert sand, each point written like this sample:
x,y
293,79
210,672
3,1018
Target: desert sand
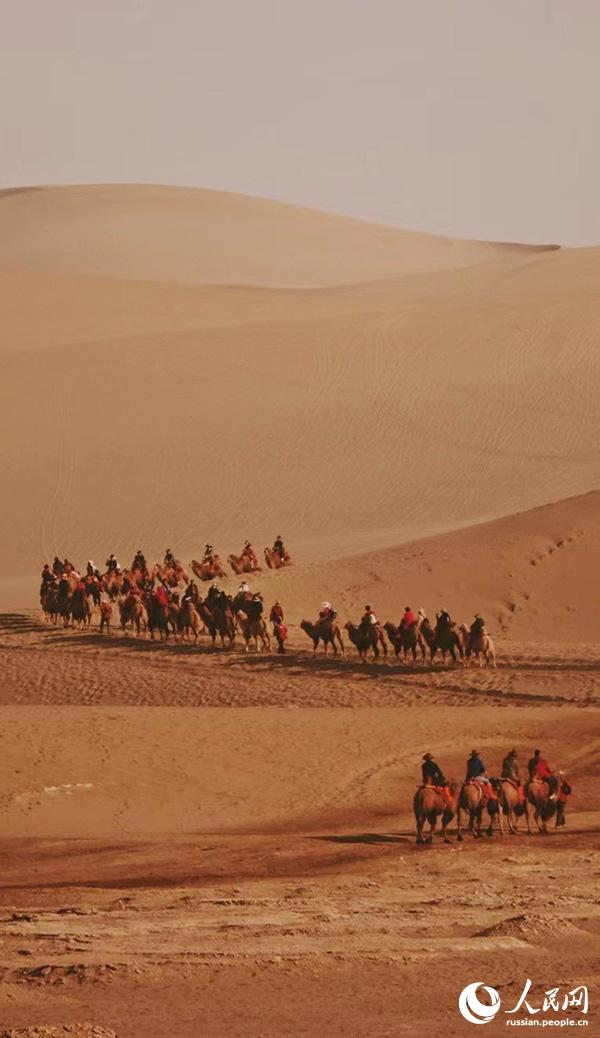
x,y
199,841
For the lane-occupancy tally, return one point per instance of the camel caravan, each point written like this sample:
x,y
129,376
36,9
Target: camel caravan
x,y
164,601
486,802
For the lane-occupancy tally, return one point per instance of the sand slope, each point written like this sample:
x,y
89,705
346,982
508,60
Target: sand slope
x,y
196,236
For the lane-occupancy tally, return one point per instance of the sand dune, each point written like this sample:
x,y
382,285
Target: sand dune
x,y
348,418
194,236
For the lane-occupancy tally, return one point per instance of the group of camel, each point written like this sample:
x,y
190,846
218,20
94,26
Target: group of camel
x,y
470,800
212,568
420,637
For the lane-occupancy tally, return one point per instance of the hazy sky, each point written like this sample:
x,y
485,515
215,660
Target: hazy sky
x,y
476,117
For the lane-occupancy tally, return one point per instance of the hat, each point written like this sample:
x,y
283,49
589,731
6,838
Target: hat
x,y
474,753
326,605
561,772
428,756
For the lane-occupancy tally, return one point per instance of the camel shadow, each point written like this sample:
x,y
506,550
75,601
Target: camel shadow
x,y
363,838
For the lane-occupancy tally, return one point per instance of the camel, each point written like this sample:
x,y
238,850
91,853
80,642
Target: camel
x,y
538,795
105,616
479,645
326,631
512,805
243,564
158,617
472,799
405,639
174,614
429,805
447,641
50,604
80,611
189,620
133,611
274,561
256,628
208,569
364,638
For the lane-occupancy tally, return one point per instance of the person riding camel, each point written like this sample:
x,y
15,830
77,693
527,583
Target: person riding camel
x,y
90,569
208,553
191,593
279,629
278,547
170,560
444,620
368,619
539,768
57,567
434,776
47,576
476,772
249,553
139,561
421,616
476,629
510,768
408,618
243,589
161,595
564,792
112,566
327,612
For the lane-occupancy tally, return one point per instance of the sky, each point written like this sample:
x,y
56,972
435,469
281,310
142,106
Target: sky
x,y
477,118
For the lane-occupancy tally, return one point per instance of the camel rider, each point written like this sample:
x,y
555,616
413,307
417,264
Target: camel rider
x,y
368,619
476,629
408,618
421,615
112,566
476,772
444,620
57,567
90,569
243,589
434,776
510,768
539,768
278,547
162,596
170,560
249,553
327,612
139,561
208,553
47,576
564,792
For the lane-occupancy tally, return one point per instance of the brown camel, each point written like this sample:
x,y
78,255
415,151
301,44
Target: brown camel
x,y
430,805
189,620
254,628
105,616
544,808
405,640
326,631
473,800
364,638
479,645
274,561
243,564
81,613
50,604
209,569
133,611
447,641
512,805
